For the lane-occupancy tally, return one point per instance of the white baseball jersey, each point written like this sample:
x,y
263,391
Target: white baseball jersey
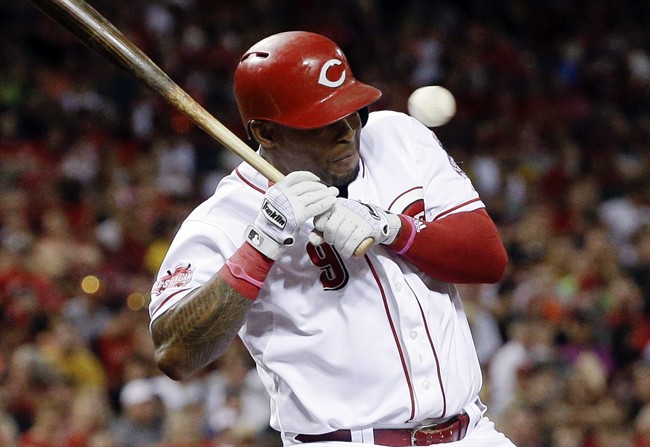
x,y
346,343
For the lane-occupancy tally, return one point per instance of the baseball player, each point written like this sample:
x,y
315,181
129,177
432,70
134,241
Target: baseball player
x,y
372,348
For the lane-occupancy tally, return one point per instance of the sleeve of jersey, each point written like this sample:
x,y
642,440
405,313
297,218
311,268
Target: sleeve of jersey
x,y
461,248
197,252
455,240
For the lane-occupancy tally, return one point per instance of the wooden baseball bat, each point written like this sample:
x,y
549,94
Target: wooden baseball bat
x,y
95,31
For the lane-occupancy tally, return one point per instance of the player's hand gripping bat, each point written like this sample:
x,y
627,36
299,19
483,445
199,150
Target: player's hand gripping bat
x,y
98,33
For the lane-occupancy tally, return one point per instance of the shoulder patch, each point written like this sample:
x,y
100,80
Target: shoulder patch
x,y
180,277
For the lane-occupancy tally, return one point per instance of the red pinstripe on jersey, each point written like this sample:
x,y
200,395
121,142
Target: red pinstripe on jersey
x,y
435,354
397,343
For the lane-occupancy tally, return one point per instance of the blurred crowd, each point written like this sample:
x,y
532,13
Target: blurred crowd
x,y
553,127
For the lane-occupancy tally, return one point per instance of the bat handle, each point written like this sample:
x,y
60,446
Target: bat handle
x,y
363,247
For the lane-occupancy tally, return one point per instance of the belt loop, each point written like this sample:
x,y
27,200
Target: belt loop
x,y
481,406
356,436
363,435
368,435
475,411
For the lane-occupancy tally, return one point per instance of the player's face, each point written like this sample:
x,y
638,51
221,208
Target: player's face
x,y
330,152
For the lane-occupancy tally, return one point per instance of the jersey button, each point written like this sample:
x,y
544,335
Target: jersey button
x,y
399,287
426,385
413,335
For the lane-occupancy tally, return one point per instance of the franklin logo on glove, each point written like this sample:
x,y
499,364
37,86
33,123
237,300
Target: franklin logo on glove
x,y
273,215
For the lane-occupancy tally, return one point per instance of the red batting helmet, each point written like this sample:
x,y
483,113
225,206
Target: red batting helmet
x,y
298,79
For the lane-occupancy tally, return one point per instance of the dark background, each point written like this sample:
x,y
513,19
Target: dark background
x,y
553,126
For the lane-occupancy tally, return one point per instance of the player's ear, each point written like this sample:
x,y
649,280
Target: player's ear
x,y
263,132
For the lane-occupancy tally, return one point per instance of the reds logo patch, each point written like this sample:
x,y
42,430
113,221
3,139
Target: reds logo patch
x,y
180,277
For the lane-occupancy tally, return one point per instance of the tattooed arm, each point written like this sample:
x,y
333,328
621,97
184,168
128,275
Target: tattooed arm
x,y
197,330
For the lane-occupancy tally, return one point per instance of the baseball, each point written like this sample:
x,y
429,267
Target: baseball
x,y
432,105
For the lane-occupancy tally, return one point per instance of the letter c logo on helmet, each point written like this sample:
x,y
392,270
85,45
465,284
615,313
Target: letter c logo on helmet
x,y
324,80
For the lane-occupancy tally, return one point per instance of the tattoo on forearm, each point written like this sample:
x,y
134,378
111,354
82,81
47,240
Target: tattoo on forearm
x,y
205,323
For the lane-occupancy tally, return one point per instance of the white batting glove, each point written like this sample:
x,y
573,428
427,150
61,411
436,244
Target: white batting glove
x,y
350,222
286,206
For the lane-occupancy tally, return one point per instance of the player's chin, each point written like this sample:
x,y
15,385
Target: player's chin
x,y
344,178
344,170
